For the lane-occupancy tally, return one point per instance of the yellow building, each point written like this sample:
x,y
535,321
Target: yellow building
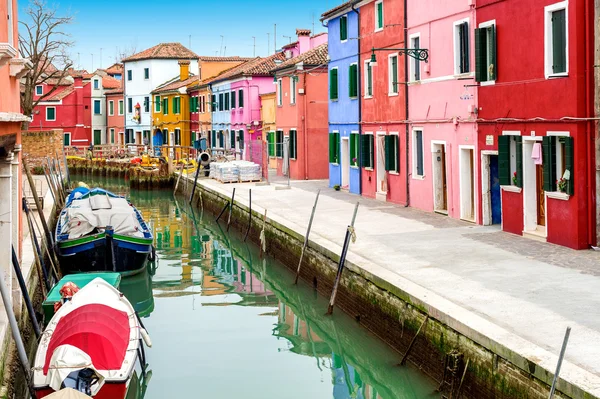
x,y
171,113
268,111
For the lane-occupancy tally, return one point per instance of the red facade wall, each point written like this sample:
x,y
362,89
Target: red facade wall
x,y
382,112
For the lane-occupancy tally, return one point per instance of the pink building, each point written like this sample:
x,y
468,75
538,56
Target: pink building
x,y
442,113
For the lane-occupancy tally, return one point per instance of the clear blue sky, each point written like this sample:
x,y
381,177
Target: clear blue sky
x,y
112,24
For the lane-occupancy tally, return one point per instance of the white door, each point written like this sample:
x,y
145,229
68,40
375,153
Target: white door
x,y
286,156
345,162
381,182
171,143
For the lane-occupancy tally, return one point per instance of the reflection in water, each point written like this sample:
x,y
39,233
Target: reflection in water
x,y
227,324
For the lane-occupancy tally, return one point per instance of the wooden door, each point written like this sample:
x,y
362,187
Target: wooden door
x,y
444,180
541,200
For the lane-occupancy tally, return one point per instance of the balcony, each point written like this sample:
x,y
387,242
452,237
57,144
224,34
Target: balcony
x,y
7,52
19,67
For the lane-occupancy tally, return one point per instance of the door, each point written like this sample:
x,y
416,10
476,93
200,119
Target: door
x,y
495,191
381,183
345,162
286,156
444,180
138,137
541,200
97,137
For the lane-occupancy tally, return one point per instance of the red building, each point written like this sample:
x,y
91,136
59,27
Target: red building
x,y
383,105
67,108
301,115
535,98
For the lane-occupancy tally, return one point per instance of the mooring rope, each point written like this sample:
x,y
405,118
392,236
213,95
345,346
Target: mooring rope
x,y
263,239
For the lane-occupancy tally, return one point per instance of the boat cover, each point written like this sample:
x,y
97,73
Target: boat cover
x,y
97,211
65,360
67,393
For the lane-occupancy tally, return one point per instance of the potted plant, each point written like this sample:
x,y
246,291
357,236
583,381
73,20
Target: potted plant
x,y
514,179
336,187
562,185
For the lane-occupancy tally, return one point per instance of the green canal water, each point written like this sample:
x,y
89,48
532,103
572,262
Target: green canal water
x,y
227,324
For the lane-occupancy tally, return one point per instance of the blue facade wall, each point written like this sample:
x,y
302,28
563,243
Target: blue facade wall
x,y
221,120
344,112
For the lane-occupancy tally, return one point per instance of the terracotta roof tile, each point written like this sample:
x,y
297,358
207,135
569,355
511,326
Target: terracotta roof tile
x,y
175,84
333,11
303,32
290,45
314,57
164,51
257,67
108,82
59,95
65,81
78,73
224,59
114,69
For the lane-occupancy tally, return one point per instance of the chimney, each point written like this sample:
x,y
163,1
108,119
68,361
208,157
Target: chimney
x,y
303,40
184,69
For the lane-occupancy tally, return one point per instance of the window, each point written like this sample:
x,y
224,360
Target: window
x,y
232,139
146,73
130,105
556,40
97,107
157,104
146,137
418,154
146,104
415,64
111,108
461,47
165,106
96,84
367,150
227,103
241,139
39,90
557,149
334,147
368,79
279,93
333,84
203,104
129,74
112,136
97,137
354,147
279,144
221,139
271,143
293,144
353,81
50,113
213,104
293,90
379,15
220,101
510,159
485,52
177,105
392,155
213,138
344,28
393,74
177,136
121,107
233,100
241,98
67,139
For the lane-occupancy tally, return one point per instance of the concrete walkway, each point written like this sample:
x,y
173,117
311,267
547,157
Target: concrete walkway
x,y
498,288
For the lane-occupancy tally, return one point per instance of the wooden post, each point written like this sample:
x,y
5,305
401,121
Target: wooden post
x,y
25,293
178,178
49,240
312,215
66,168
263,238
413,341
230,209
560,360
249,215
195,179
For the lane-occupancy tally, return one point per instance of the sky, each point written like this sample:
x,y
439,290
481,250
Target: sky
x,y
222,27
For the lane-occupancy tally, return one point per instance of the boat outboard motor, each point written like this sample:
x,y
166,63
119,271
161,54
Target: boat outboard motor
x,y
81,380
205,158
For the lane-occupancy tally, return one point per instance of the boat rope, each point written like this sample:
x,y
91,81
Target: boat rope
x,y
263,239
352,233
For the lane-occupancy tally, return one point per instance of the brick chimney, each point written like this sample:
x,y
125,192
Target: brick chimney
x,y
303,40
184,69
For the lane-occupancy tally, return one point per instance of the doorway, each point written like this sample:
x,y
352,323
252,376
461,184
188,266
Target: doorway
x,y
285,167
381,173
490,188
345,162
540,196
467,184
440,181
534,197
138,137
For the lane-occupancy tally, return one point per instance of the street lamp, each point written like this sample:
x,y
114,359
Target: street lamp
x,y
420,54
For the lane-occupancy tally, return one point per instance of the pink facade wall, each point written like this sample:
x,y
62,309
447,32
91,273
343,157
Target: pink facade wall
x,y
241,117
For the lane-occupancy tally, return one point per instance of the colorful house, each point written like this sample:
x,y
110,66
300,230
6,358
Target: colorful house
x,y
383,106
540,152
144,72
172,106
442,133
101,82
115,116
301,115
268,114
344,99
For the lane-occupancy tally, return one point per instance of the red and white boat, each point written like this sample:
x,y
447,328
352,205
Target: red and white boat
x,y
91,345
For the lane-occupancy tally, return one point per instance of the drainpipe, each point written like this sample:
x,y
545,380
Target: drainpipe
x,y
589,112
304,129
406,101
6,221
358,72
16,232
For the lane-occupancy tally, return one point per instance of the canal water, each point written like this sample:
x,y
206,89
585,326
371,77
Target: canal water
x,y
227,324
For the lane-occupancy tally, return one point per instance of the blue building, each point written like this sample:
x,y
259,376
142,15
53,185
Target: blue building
x,y
344,97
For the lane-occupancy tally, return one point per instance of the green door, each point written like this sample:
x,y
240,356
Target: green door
x,y
97,137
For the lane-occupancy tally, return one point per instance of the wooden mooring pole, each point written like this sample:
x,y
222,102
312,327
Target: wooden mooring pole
x,y
560,360
310,222
249,214
230,209
195,179
38,205
410,346
25,293
338,277
178,178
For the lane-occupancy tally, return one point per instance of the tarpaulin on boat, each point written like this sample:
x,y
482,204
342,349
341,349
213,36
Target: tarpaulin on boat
x,y
67,393
98,211
99,330
67,359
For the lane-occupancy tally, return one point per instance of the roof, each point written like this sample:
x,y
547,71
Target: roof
x,y
115,91
78,73
59,95
303,32
290,45
257,67
114,69
64,81
224,59
315,57
335,10
108,82
164,51
175,84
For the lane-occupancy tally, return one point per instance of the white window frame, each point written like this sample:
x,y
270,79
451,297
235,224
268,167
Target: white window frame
x,y
112,135
129,75
390,77
64,134
413,61
11,30
559,154
50,120
121,107
279,92
415,175
513,151
96,84
456,40
347,30
146,69
379,29
293,90
111,108
548,54
41,91
397,153
484,25
366,79
374,152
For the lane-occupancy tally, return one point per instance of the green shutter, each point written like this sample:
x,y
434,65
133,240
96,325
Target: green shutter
x,y
504,160
334,147
165,106
353,80
337,147
380,15
333,84
293,144
241,139
394,74
365,156
369,80
233,105
519,160
344,28
549,159
559,42
279,144
353,149
241,99
493,67
480,55
388,152
271,143
66,139
570,165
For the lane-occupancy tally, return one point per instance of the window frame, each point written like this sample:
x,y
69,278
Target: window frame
x,y
293,146
353,97
488,81
279,143
129,75
129,105
147,104
354,134
112,135
99,102
391,92
396,171
377,27
414,64
121,107
337,84
157,104
96,84
456,41
372,153
233,99
64,136
293,89
241,98
279,92
41,93
111,107
146,73
548,39
50,120
368,68
343,17
415,158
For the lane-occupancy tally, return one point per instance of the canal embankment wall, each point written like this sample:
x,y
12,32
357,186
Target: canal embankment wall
x,y
498,363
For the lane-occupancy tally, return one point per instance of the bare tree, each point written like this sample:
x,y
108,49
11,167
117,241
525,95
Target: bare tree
x,y
44,42
124,52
